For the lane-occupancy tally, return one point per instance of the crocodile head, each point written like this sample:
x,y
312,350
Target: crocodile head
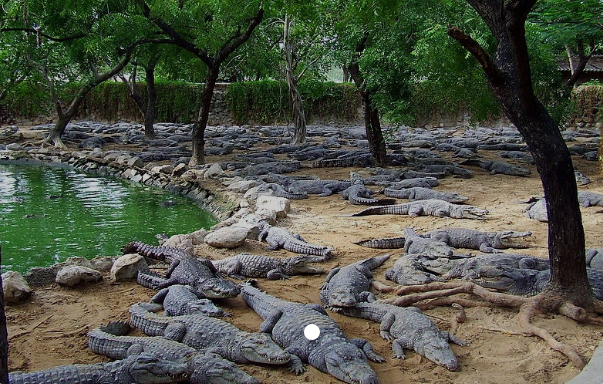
x,y
469,212
346,362
216,288
435,348
260,348
147,369
300,265
508,239
205,307
211,368
341,297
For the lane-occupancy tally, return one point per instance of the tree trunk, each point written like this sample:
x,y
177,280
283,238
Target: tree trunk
x,y
583,59
509,78
299,117
64,117
3,335
198,157
372,123
149,114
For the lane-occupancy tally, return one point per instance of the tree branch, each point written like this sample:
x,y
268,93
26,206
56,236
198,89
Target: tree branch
x,y
492,72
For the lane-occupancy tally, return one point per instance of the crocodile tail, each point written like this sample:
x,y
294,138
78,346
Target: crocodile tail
x,y
357,200
108,344
149,280
374,262
262,303
142,317
307,248
380,210
386,243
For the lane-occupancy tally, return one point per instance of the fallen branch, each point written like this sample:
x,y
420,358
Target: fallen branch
x,y
439,293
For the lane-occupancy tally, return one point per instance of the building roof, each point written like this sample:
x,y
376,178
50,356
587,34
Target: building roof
x,y
595,64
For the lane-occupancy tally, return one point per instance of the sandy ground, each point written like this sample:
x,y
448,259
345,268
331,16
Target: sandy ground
x,y
50,329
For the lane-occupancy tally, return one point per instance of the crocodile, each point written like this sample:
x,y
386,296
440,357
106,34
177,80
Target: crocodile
x,y
362,161
180,299
383,243
358,194
204,367
420,193
279,190
281,238
594,258
321,187
498,167
331,352
348,285
274,268
487,242
140,369
410,269
425,182
184,269
590,199
430,207
408,327
201,332
416,244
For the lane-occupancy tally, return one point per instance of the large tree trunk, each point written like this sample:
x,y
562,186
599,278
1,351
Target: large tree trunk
x,y
65,116
372,123
299,117
3,335
509,77
149,113
200,124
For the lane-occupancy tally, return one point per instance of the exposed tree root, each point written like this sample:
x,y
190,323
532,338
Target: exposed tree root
x,y
440,294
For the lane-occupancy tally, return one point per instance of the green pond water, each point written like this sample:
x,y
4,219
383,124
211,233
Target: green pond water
x,y
48,214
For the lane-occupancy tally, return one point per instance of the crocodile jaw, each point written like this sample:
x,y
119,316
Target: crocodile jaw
x,y
348,364
436,349
149,370
260,348
508,239
218,371
218,288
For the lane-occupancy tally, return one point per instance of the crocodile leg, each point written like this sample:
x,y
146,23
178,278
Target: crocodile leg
x,y
367,348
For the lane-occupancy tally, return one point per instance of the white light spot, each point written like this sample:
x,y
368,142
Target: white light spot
x,y
311,331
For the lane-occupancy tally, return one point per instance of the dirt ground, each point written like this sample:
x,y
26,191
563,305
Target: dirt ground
x,y
50,329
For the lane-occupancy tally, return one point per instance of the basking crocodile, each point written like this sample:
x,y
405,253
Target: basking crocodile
x,y
425,182
184,269
358,194
383,243
331,352
487,242
281,238
594,258
409,328
416,244
590,199
410,269
278,190
421,193
498,167
274,268
430,207
140,369
320,187
346,286
180,299
201,332
203,367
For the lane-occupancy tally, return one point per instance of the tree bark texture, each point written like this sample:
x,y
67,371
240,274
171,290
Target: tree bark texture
x,y
149,113
299,117
372,122
508,75
583,59
198,156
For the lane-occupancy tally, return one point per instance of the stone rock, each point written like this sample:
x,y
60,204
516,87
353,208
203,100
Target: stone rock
x,y
15,287
14,147
214,172
279,205
71,275
227,237
184,242
127,266
135,162
179,170
102,263
242,186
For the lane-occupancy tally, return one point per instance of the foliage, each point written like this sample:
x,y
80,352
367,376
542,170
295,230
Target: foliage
x,y
267,101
